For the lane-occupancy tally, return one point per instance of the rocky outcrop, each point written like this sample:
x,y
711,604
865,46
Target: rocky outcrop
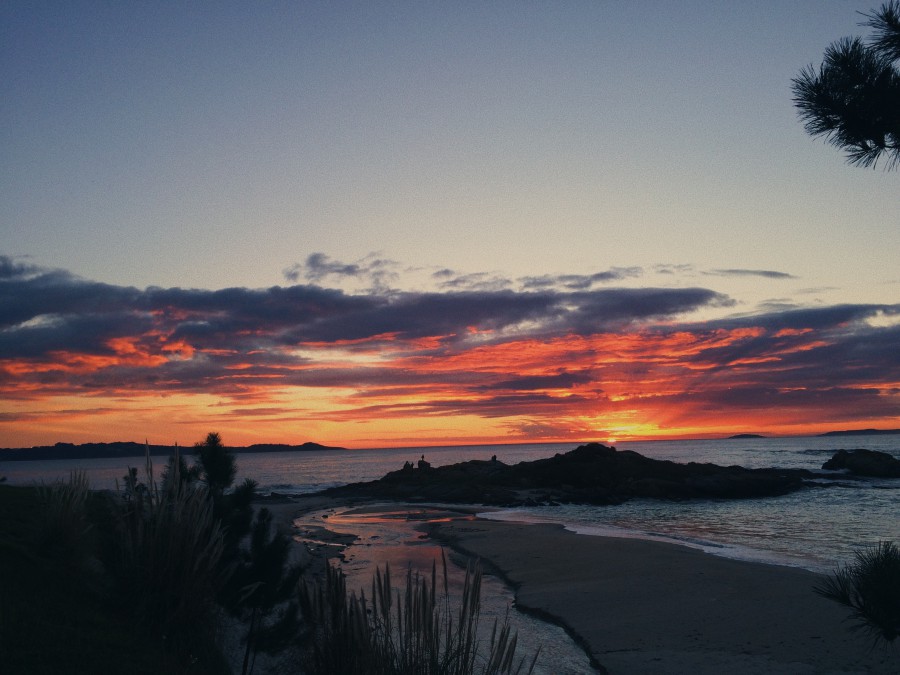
x,y
861,462
589,474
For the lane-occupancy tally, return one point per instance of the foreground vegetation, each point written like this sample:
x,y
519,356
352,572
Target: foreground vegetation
x,y
144,580
59,612
415,633
870,587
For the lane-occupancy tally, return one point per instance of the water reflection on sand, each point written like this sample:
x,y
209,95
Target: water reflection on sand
x,y
379,535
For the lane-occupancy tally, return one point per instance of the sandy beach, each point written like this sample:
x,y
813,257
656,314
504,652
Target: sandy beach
x,y
654,608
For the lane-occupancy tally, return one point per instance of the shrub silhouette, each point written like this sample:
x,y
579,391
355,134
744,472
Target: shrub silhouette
x,y
870,586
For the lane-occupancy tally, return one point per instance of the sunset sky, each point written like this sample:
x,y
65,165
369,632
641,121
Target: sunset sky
x,y
397,223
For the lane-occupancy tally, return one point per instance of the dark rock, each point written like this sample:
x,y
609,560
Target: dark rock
x,y
589,474
865,463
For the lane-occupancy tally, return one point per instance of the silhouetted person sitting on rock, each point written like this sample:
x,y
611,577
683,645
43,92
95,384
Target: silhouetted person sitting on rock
x,y
407,466
423,464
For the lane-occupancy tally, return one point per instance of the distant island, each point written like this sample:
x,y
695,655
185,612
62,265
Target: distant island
x,y
862,432
131,449
845,432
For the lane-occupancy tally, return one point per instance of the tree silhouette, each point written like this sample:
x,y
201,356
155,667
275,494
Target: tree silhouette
x,y
853,99
217,464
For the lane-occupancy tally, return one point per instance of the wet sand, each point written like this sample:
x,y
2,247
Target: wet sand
x,y
315,546
653,608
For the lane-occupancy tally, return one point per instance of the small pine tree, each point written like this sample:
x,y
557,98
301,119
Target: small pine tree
x,y
262,591
217,465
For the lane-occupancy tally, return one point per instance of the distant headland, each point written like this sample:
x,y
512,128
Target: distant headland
x,y
131,449
862,432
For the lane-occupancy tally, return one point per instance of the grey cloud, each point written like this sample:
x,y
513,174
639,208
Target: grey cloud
x,y
42,312
808,317
666,268
12,268
478,281
606,309
506,405
558,381
580,281
768,274
80,333
378,272
451,314
843,403
318,266
819,289
24,297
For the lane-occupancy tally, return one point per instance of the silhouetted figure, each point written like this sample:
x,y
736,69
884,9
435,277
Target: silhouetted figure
x,y
423,464
493,458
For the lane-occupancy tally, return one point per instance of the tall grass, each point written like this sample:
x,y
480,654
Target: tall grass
x,y
167,557
64,523
416,632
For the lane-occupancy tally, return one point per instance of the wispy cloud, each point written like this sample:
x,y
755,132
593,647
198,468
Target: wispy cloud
x,y
674,269
373,271
766,274
581,281
478,281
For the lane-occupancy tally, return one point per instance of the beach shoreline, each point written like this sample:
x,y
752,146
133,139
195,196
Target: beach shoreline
x,y
639,606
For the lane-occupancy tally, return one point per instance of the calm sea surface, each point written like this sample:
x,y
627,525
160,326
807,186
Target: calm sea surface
x,y
815,528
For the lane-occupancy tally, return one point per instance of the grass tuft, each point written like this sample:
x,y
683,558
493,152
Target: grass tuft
x,y
413,632
870,586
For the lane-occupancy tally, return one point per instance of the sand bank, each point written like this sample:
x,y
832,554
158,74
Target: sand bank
x,y
647,607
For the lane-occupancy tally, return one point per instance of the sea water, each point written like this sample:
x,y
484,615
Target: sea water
x,y
816,528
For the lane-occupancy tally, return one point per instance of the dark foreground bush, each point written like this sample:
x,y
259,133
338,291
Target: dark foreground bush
x,y
870,586
168,549
59,613
187,548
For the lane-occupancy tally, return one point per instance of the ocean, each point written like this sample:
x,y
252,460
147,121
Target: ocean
x,y
817,528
